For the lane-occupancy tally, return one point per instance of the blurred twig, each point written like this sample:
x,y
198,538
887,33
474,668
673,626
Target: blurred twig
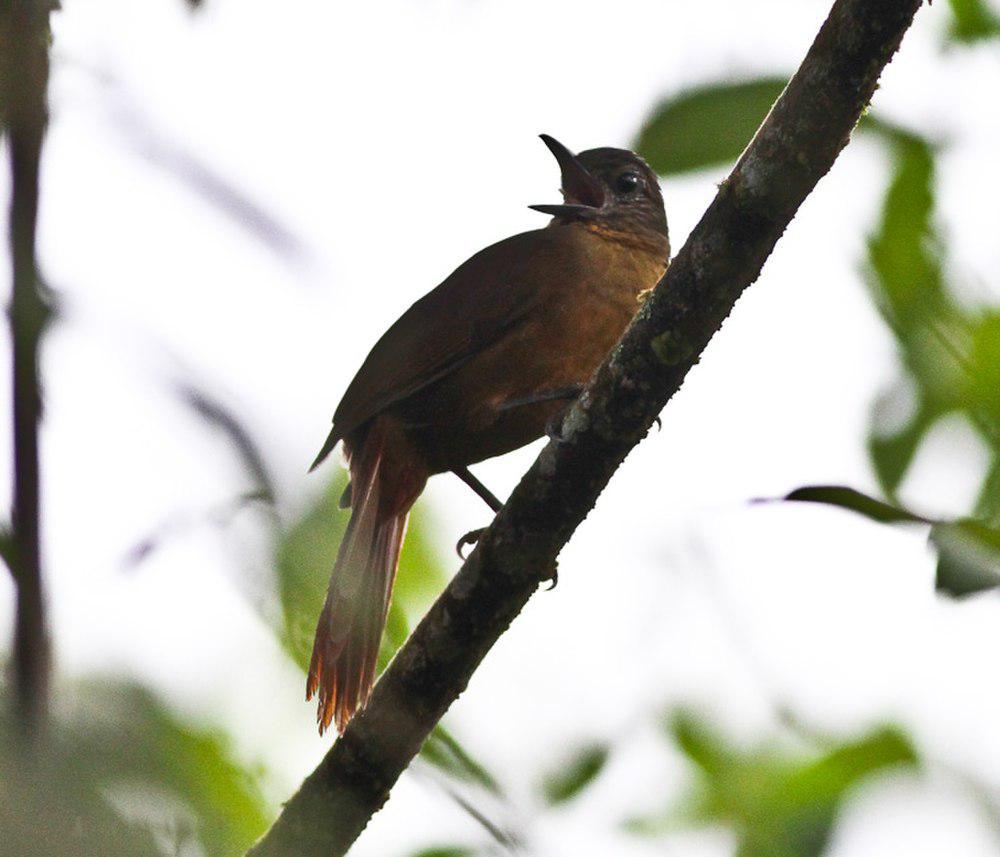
x,y
261,493
793,149
216,414
24,46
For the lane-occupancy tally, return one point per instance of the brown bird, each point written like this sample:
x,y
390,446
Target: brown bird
x,y
483,364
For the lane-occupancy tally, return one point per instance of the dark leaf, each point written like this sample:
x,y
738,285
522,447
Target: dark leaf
x,y
968,557
706,126
575,775
855,501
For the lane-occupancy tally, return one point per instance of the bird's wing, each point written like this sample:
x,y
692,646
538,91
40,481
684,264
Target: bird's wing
x,y
484,298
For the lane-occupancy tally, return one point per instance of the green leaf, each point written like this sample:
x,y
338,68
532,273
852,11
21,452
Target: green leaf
x,y
855,501
968,557
706,126
972,21
575,774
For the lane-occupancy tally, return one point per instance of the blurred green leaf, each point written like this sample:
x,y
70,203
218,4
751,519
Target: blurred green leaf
x,y
981,393
988,504
123,733
706,126
905,279
117,740
892,453
304,559
904,253
779,803
855,501
443,751
446,851
968,557
972,21
950,353
575,774
43,811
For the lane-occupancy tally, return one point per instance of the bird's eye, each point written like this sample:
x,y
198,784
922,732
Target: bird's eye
x,y
627,182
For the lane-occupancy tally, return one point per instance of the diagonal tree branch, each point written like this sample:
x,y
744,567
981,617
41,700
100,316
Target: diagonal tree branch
x,y
794,148
24,68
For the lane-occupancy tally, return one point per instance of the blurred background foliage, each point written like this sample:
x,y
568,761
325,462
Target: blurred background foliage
x,y
132,775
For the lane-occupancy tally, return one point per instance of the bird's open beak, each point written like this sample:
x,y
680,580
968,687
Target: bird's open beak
x,y
583,194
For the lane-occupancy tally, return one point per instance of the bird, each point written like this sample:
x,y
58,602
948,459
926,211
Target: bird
x,y
483,364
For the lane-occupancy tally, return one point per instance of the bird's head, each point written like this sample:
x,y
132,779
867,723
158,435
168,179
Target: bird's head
x,y
611,188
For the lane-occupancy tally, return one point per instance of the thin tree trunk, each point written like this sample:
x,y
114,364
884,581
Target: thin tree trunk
x,y
24,36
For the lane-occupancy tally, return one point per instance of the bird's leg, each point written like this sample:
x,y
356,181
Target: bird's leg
x,y
487,496
543,396
471,537
553,429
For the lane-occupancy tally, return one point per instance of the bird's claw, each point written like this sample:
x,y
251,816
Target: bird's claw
x,y
658,423
553,428
470,538
554,578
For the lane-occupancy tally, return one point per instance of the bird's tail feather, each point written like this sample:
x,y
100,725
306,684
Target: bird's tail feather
x,y
345,650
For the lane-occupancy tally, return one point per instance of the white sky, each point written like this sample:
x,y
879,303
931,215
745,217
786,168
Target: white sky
x,y
392,140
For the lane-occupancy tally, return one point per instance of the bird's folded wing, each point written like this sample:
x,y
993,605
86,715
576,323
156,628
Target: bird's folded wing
x,y
483,299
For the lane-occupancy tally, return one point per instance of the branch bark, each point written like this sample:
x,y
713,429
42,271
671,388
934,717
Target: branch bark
x,y
792,150
24,38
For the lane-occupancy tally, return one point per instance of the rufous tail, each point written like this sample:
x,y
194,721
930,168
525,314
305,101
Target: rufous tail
x,y
349,632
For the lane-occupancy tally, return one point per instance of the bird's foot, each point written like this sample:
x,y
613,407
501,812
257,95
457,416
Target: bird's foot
x,y
470,538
